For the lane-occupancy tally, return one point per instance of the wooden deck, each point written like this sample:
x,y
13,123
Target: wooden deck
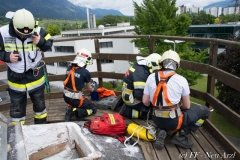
x,y
204,145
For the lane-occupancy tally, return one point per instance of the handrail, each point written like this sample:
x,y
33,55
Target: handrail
x,y
210,69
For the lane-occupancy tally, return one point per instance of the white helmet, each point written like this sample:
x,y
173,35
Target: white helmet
x,y
84,57
23,22
170,59
153,61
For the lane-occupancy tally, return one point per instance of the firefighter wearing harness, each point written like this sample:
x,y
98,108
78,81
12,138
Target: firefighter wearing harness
x,y
21,50
76,77
164,91
133,84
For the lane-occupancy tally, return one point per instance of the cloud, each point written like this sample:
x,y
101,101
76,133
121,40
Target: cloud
x,y
126,6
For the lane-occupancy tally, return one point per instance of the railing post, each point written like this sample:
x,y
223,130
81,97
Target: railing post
x,y
99,67
151,45
212,62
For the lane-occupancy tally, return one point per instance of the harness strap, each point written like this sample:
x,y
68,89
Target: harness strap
x,y
162,87
71,74
81,102
180,121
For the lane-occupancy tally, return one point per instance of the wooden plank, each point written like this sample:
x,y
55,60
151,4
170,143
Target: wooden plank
x,y
196,151
228,146
79,150
213,142
147,147
172,149
224,110
187,154
205,145
48,151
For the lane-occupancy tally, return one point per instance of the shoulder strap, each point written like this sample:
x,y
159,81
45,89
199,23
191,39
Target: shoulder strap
x,y
161,87
71,74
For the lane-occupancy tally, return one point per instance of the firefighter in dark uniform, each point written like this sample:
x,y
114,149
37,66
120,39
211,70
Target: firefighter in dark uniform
x,y
21,47
133,84
76,77
165,90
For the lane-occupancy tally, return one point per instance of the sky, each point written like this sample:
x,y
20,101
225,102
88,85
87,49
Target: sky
x,y
126,6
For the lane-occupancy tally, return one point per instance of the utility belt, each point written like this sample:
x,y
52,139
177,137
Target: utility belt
x,y
73,95
167,113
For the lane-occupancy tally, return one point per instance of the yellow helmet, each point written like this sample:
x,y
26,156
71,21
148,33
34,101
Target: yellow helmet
x,y
170,59
84,57
23,22
153,61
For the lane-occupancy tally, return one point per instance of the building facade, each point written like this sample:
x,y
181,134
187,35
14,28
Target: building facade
x,y
111,45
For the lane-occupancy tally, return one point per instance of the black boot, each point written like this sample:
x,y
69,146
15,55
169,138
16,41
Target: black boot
x,y
69,114
179,138
126,111
159,143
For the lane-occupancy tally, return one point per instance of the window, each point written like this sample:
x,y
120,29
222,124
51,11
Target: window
x,y
64,64
68,49
106,45
51,64
106,61
69,35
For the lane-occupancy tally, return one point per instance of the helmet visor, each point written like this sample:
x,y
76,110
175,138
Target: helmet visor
x,y
24,32
170,64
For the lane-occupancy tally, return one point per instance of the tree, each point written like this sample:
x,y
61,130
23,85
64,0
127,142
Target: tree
x,y
53,29
158,17
112,20
201,18
229,61
217,21
229,18
84,25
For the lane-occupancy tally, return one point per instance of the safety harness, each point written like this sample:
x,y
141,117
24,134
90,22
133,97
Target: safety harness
x,y
73,93
169,111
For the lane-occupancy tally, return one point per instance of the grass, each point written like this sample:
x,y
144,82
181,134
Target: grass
x,y
218,120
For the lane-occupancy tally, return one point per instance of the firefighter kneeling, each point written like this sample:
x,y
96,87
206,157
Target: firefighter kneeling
x,y
76,78
133,84
165,89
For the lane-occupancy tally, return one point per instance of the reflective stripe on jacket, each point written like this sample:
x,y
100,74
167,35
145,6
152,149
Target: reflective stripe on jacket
x,y
134,82
29,52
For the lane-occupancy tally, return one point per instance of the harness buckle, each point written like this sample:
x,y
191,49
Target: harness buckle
x,y
73,95
168,113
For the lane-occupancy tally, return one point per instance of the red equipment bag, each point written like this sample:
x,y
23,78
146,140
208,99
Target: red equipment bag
x,y
108,124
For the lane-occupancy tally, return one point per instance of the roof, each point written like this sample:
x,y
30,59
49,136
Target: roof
x,y
215,25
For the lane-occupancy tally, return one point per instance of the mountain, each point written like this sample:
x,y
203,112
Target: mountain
x,y
223,4
55,9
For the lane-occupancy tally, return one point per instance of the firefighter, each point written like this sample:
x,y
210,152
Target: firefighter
x,y
164,91
21,47
76,77
133,84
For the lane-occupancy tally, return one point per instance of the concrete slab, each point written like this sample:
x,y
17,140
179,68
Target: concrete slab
x,y
111,148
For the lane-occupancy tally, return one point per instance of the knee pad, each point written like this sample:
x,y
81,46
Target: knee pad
x,y
18,108
38,102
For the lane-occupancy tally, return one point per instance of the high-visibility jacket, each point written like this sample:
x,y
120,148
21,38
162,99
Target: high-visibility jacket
x,y
30,57
29,52
134,82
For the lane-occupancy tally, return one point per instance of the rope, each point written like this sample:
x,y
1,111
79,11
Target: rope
x,y
151,130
